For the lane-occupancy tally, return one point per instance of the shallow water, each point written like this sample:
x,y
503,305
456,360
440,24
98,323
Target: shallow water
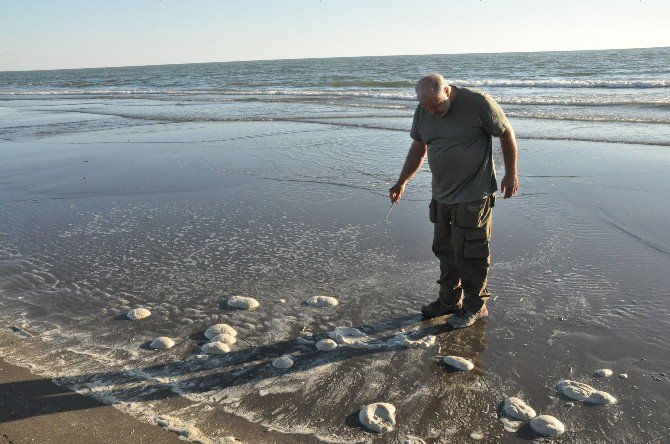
x,y
91,230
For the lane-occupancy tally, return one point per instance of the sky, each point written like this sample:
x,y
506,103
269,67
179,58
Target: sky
x,y
93,33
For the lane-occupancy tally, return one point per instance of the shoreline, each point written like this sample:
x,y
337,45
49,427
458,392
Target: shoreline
x,y
36,409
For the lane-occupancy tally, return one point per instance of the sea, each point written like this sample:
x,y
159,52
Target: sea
x,y
619,96
609,95
175,187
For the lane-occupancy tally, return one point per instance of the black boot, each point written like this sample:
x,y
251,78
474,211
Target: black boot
x,y
441,306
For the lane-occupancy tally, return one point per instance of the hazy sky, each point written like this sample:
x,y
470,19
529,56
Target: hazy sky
x,y
90,33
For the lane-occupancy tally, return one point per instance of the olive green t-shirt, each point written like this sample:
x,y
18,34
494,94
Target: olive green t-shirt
x,y
460,146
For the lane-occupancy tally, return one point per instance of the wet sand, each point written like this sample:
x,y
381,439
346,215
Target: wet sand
x,y
579,277
34,409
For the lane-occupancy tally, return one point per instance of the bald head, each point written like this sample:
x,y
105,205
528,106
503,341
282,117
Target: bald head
x,y
434,93
430,86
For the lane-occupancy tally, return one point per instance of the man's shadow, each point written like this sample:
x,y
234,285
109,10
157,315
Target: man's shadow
x,y
249,365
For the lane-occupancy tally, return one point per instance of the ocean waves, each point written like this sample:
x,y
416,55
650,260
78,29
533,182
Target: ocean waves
x,y
335,110
586,101
372,95
567,83
620,94
406,92
344,87
588,117
527,127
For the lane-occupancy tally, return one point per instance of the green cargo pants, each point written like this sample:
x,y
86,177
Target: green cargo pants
x,y
461,243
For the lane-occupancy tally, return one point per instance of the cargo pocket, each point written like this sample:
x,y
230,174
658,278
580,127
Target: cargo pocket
x,y
472,214
432,211
476,244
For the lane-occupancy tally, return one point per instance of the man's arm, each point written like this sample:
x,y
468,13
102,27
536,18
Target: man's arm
x,y
510,182
414,160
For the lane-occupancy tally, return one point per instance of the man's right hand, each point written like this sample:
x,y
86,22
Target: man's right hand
x,y
395,192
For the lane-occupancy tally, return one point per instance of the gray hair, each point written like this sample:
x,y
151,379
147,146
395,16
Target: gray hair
x,y
432,83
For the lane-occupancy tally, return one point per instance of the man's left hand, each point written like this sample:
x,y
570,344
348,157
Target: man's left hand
x,y
509,185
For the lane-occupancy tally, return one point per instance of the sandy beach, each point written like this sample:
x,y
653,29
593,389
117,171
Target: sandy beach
x,y
177,218
34,409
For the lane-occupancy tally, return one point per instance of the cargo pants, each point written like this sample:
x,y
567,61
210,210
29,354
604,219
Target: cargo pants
x,y
462,233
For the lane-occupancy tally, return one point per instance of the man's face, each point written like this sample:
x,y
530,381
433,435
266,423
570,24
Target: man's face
x,y
436,104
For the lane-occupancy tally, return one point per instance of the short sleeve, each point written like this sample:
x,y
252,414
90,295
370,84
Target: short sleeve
x,y
414,133
492,116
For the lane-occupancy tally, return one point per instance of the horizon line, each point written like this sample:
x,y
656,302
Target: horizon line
x,y
325,58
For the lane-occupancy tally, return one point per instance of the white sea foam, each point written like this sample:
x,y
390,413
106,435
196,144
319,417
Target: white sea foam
x,y
360,91
567,83
587,116
582,101
354,338
189,432
404,341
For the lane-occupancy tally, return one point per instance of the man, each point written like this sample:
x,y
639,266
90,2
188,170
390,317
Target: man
x,y
454,127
